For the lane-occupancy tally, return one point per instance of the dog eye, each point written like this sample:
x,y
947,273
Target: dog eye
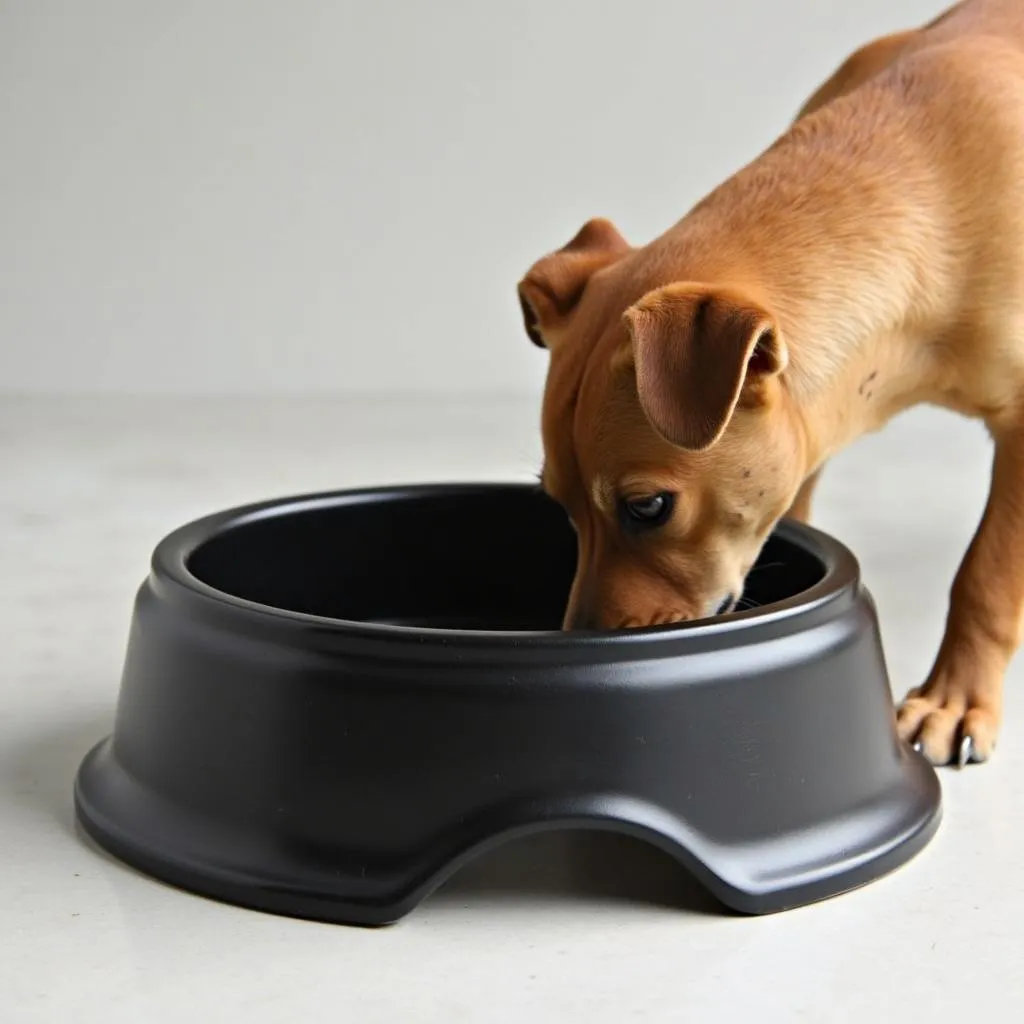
x,y
650,510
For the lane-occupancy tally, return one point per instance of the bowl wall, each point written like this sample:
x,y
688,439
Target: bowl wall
x,y
316,759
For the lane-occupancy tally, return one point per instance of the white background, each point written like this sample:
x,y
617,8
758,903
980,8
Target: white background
x,y
339,196
293,196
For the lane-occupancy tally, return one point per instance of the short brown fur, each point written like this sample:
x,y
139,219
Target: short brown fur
x,y
870,260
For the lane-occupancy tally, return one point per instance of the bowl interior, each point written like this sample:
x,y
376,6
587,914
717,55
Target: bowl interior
x,y
486,559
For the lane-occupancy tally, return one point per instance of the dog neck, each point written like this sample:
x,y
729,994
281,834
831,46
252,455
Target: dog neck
x,y
847,255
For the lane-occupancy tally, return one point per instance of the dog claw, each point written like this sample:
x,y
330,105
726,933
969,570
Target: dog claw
x,y
966,753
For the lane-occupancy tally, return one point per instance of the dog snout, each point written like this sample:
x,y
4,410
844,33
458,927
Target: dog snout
x,y
581,614
580,621
598,615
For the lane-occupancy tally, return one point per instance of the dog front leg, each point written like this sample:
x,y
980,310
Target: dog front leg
x,y
957,712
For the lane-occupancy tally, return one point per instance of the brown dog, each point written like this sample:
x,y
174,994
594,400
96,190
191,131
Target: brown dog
x,y
870,260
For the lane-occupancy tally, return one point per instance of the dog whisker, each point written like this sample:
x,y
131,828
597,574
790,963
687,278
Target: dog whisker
x,y
767,565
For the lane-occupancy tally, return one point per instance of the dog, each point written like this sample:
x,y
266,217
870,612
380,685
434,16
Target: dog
x,y
871,259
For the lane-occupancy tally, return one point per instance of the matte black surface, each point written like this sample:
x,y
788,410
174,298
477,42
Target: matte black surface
x,y
282,744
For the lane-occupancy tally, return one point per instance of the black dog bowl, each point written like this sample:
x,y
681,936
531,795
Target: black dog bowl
x,y
330,703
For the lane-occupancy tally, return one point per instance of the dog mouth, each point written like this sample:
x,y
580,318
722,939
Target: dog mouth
x,y
727,606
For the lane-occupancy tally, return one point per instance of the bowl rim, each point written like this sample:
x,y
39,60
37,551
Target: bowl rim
x,y
170,576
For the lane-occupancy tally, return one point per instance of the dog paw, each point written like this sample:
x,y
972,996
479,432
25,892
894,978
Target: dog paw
x,y
946,726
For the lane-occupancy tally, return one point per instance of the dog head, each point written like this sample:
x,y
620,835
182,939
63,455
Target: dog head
x,y
669,434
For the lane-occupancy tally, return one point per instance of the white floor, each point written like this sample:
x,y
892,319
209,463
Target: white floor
x,y
543,930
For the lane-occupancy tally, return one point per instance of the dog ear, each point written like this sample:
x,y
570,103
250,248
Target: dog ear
x,y
554,284
699,351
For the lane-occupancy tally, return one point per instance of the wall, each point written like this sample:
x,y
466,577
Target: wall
x,y
339,196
